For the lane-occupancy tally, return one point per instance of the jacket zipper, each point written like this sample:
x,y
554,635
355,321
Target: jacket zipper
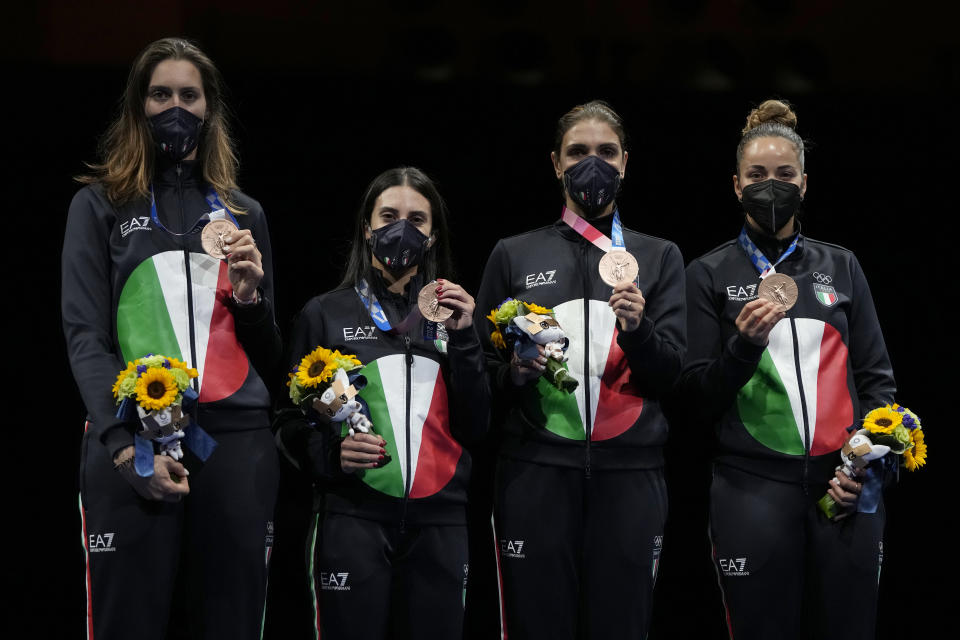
x,y
406,489
186,267
586,353
803,405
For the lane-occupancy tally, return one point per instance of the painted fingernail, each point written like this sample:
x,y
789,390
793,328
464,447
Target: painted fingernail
x,y
439,289
380,458
383,452
439,279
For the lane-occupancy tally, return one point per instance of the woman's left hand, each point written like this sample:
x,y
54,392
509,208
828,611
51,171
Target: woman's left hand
x,y
627,303
453,296
243,258
845,492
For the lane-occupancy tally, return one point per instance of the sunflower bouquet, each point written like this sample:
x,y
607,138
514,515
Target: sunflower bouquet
x,y
157,390
521,327
889,429
324,389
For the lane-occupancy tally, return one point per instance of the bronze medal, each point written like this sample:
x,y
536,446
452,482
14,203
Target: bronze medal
x,y
779,288
430,305
213,236
618,266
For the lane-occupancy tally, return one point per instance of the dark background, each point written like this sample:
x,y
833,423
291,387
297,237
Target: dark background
x,y
326,97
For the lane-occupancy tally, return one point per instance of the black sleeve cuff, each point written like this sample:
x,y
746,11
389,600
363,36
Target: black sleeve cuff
x,y
631,340
744,350
253,314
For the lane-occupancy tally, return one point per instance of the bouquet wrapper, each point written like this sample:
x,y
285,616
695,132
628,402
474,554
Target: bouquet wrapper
x,y
167,427
556,374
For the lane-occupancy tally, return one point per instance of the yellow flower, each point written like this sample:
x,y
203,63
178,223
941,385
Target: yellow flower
x,y
882,420
543,311
193,373
156,389
916,456
123,374
316,367
492,316
497,339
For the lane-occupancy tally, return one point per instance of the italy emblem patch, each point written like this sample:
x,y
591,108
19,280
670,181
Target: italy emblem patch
x,y
826,295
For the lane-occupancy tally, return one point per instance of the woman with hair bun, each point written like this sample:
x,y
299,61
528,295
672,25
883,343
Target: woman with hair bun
x,y
580,498
139,280
785,358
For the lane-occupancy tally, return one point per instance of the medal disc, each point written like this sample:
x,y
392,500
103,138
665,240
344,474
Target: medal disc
x,y
430,305
213,235
618,266
779,288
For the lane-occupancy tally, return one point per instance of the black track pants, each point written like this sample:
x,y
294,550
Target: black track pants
x,y
377,582
211,549
786,570
578,556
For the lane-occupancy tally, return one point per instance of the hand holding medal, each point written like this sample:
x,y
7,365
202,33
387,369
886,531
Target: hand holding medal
x,y
239,249
446,302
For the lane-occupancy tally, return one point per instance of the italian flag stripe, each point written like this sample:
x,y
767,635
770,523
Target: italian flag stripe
x,y
834,406
770,403
439,452
433,451
614,404
388,479
152,317
143,324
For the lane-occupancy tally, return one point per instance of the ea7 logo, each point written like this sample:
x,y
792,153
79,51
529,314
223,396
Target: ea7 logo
x,y
741,292
330,581
141,223
658,541
511,548
539,279
359,333
101,542
734,566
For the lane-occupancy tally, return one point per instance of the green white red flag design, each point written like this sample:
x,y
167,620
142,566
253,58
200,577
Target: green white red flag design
x,y
152,317
770,404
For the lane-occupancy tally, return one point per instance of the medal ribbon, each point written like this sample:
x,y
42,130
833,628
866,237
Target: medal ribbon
x,y
760,262
595,236
220,212
378,315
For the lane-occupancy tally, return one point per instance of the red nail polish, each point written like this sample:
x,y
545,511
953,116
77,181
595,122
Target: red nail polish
x,y
380,458
439,289
383,452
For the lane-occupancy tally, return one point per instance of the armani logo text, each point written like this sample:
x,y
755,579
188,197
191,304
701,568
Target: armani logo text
x,y
742,292
141,223
512,548
734,566
539,279
359,333
101,542
330,581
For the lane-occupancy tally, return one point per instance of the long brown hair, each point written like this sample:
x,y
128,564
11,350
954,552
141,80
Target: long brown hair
x,y
126,149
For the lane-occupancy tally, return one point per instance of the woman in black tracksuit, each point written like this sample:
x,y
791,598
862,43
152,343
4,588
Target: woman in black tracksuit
x,y
393,542
136,281
783,389
580,498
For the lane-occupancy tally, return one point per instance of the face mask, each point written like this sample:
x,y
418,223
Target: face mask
x,y
398,245
176,132
771,203
592,183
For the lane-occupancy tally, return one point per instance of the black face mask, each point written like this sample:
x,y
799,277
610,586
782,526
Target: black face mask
x,y
592,184
398,245
771,203
176,132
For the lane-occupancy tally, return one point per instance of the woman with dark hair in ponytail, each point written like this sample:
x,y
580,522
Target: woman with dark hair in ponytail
x,y
785,358
138,280
580,499
392,557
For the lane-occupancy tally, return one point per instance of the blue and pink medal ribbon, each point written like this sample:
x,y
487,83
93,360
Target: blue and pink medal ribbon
x,y
218,211
762,264
593,235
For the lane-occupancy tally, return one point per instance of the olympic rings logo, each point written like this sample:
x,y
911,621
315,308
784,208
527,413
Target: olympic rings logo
x,y
822,278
